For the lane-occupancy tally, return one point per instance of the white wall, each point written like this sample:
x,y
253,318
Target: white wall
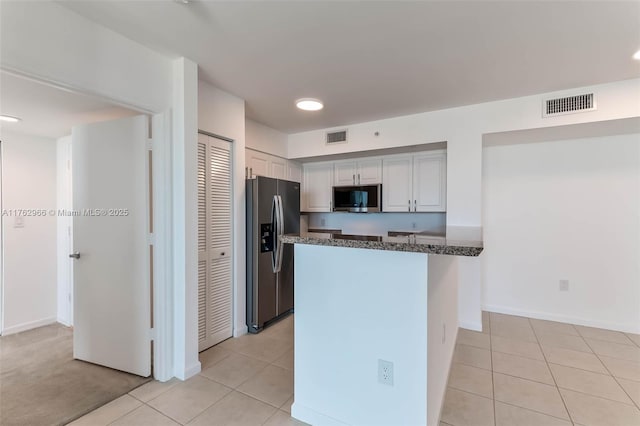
x,y
463,129
222,114
564,209
378,223
265,139
64,226
45,40
29,182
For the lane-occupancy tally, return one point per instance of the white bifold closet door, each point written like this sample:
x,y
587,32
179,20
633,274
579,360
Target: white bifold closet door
x,y
214,241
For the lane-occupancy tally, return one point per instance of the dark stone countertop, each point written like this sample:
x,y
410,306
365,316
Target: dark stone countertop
x,y
411,243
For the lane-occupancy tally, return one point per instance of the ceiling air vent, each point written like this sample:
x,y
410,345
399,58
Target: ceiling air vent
x,y
337,137
568,105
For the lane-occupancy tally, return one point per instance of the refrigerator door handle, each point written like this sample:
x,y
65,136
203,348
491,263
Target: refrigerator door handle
x,y
280,233
275,225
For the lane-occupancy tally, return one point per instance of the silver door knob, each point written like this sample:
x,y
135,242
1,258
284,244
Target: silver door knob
x,y
75,255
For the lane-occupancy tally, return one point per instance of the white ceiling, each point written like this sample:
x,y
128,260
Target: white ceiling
x,y
372,60
48,111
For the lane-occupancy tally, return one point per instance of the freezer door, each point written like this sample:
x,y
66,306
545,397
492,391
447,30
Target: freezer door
x,y
290,195
261,280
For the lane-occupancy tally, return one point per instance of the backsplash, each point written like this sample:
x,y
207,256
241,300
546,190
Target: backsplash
x,y
375,223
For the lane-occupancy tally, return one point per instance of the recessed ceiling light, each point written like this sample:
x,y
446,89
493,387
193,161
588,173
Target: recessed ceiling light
x,y
9,118
636,55
309,104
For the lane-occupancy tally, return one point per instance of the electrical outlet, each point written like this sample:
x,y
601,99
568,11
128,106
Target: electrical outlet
x,y
564,285
444,333
413,225
322,222
385,372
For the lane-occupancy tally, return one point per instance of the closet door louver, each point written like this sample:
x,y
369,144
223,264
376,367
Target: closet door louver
x,y
214,241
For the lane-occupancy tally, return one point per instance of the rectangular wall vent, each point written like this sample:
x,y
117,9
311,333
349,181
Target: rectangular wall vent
x,y
568,105
337,137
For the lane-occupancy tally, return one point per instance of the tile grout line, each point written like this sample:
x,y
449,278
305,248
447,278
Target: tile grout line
x,y
614,377
510,403
551,373
534,411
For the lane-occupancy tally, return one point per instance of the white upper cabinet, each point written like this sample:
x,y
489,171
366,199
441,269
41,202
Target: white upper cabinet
x,y
261,164
278,168
294,171
344,173
258,163
415,183
360,172
369,171
397,179
430,182
317,187
410,182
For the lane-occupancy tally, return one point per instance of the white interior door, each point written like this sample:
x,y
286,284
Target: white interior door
x,y
215,291
111,276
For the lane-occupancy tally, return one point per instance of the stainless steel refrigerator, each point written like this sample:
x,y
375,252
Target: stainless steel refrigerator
x,y
273,209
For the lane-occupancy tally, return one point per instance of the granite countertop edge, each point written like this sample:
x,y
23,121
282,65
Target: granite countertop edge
x,y
444,248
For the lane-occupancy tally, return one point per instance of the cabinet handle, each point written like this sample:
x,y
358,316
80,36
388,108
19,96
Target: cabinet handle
x,y
354,179
415,206
250,172
358,178
246,172
409,205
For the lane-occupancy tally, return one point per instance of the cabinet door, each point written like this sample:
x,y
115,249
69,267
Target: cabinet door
x,y
429,182
369,171
344,173
396,184
278,168
258,163
294,171
316,185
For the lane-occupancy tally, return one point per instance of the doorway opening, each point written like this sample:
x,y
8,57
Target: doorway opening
x,y
44,220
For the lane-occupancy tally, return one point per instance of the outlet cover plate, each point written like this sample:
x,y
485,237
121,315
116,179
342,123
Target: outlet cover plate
x,y
385,372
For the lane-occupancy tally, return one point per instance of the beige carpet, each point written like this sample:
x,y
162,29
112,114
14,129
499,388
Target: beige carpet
x,y
40,383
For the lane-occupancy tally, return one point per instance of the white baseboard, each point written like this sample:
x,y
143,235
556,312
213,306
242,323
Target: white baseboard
x,y
471,325
240,331
312,417
626,328
191,371
28,326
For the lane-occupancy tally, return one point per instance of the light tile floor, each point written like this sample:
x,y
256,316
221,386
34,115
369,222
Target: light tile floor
x,y
528,372
517,372
244,381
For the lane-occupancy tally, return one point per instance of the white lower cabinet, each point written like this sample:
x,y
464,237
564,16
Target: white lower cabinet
x,y
317,184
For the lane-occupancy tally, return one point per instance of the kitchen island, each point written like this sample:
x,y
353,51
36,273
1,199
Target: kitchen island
x,y
363,301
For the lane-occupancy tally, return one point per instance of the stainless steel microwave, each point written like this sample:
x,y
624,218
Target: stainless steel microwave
x,y
357,199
